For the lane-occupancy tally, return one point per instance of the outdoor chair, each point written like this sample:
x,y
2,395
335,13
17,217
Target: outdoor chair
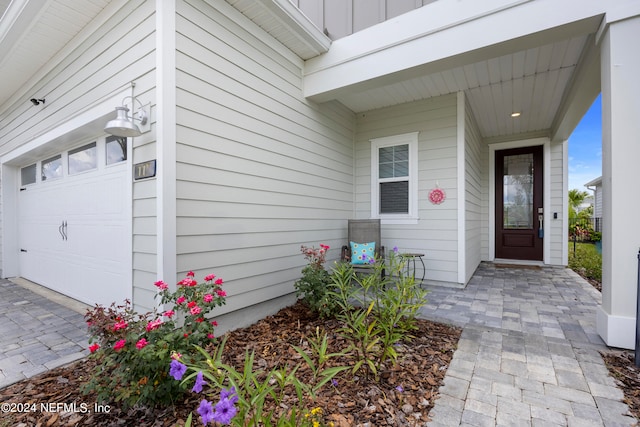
x,y
364,243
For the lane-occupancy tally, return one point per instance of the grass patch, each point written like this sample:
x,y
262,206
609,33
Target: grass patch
x,y
586,260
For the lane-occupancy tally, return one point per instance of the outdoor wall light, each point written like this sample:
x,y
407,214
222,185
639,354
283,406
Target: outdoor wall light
x,y
124,125
35,101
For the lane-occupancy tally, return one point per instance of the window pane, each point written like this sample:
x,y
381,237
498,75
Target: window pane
x,y
518,191
401,168
83,159
393,161
401,152
52,168
116,149
394,197
385,170
28,174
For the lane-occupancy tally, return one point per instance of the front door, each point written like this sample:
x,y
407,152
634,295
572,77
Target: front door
x,y
519,211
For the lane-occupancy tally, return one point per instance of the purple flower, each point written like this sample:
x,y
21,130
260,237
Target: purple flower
x,y
230,394
206,412
177,370
399,388
334,382
225,411
395,249
197,387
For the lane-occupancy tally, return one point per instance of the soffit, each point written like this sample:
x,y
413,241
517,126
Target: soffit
x,y
35,31
287,24
531,81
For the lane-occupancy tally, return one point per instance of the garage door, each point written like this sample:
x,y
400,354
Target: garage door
x,y
74,223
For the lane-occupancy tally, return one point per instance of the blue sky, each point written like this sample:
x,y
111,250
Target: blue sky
x,y
585,148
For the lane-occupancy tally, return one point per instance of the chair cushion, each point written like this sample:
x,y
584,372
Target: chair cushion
x,y
362,253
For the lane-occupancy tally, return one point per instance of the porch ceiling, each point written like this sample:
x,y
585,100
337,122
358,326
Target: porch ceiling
x,y
533,57
532,82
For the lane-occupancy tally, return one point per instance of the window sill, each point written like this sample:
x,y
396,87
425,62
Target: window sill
x,y
405,220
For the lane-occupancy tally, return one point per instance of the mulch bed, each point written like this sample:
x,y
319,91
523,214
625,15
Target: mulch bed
x,y
354,401
621,365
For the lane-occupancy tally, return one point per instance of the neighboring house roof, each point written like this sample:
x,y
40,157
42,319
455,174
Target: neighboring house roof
x,y
594,183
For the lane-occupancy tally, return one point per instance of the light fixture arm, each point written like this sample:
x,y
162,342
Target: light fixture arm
x,y
142,115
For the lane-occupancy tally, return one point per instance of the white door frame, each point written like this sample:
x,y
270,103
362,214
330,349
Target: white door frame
x,y
546,194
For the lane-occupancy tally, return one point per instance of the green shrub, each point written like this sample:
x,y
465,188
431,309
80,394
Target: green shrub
x,y
378,311
586,260
315,282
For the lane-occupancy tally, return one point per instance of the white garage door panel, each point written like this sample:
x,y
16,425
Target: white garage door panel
x,y
87,259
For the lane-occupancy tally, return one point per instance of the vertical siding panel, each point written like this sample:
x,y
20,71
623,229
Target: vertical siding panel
x,y
338,18
367,13
260,170
435,234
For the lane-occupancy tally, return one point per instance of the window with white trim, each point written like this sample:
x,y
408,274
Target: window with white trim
x,y
394,178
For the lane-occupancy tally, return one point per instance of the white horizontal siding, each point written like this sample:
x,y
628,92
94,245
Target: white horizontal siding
x,y
260,170
104,62
473,193
436,232
556,186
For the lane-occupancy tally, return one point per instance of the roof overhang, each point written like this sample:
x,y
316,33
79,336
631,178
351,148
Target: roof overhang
x,y
534,56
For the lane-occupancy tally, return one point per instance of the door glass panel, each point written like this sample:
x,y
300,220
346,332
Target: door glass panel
x,y
116,149
83,159
52,168
517,183
28,174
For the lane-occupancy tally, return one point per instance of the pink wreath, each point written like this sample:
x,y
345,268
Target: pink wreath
x,y
436,196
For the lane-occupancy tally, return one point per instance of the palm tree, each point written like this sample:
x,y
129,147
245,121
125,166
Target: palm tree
x,y
576,197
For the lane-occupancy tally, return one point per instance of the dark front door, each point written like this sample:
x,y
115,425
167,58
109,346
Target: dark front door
x,y
519,214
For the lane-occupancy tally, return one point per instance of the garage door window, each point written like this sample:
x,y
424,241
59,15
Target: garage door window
x,y
83,159
28,175
116,149
52,168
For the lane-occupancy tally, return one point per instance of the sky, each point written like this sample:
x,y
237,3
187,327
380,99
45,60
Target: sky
x,y
585,148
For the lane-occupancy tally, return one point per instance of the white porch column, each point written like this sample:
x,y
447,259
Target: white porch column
x,y
620,77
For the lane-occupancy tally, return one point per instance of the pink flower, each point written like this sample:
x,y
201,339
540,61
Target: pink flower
x,y
219,282
161,285
142,343
188,282
208,298
191,274
214,323
195,310
210,336
94,347
119,345
200,319
120,325
154,324
325,247
180,300
169,313
210,277
221,293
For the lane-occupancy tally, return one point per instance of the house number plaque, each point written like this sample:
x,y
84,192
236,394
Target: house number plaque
x,y
144,170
